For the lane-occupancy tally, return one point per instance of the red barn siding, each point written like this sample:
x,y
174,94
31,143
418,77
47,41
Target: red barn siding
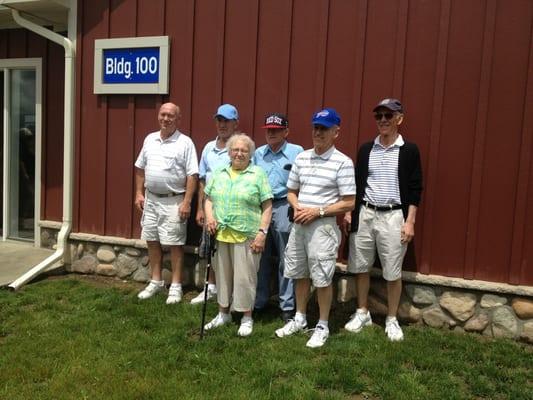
x,y
462,69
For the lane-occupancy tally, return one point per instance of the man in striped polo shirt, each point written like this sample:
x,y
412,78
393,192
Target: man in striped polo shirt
x,y
389,185
165,180
321,185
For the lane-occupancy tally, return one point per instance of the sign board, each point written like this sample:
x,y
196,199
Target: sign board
x,y
131,65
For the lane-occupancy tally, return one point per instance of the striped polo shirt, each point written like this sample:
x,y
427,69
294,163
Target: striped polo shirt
x,y
167,163
383,187
323,179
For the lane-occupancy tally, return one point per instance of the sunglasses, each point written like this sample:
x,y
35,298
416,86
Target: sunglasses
x,y
388,116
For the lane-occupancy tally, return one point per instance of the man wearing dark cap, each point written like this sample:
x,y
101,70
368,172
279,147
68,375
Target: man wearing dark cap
x,y
321,186
276,158
389,185
214,155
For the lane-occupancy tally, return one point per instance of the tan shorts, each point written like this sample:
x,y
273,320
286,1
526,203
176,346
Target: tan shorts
x,y
381,231
161,222
236,269
312,251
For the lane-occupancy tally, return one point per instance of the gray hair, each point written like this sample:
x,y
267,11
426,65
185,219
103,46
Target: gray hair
x,y
241,137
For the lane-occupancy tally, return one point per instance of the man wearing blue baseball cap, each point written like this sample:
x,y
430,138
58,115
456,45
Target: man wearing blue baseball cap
x,y
389,185
321,185
214,155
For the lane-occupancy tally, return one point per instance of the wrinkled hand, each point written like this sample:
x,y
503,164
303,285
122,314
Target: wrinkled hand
x,y
408,232
258,244
305,215
211,225
200,217
346,223
139,201
184,211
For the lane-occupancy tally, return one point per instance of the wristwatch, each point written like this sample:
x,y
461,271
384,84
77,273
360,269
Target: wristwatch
x,y
263,230
321,212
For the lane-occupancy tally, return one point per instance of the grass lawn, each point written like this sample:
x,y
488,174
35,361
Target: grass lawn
x,y
84,338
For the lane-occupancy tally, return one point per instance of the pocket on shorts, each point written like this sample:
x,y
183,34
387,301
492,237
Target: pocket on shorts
x,y
326,261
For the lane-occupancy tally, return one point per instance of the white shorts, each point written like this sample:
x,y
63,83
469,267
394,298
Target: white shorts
x,y
311,251
379,230
161,222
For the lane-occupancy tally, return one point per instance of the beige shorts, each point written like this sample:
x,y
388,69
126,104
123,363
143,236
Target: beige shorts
x,y
236,269
381,231
161,222
312,251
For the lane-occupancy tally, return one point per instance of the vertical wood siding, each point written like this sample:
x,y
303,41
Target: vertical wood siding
x,y
463,70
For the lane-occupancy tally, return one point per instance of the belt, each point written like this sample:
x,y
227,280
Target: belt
x,y
171,194
278,199
382,208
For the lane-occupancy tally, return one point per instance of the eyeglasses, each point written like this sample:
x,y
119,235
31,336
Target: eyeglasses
x,y
379,116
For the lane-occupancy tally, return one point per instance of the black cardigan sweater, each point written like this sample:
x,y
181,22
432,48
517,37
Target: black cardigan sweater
x,y
409,177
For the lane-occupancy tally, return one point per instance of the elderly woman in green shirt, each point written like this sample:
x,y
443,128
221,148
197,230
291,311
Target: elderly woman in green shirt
x,y
238,209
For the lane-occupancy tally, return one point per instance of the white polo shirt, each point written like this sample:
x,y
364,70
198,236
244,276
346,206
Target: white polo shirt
x,y
383,187
167,163
323,179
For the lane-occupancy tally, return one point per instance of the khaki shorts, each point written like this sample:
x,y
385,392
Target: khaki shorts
x,y
312,251
161,222
381,231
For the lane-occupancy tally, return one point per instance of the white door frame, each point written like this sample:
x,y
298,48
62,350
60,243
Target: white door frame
x,y
7,65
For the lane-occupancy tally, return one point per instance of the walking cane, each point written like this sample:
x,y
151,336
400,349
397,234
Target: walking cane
x,y
207,249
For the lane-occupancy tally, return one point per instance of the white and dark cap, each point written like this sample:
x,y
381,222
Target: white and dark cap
x,y
276,121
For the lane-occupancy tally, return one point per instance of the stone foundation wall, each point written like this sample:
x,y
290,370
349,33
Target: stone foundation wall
x,y
495,315
122,258
462,310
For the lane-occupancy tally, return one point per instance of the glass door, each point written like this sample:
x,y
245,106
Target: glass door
x,y
21,133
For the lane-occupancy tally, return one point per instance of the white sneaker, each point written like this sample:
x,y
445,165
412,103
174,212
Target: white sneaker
x,y
320,335
247,325
152,288
174,294
358,321
290,328
200,298
219,320
393,330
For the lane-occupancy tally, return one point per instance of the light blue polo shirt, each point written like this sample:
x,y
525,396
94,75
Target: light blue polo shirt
x,y
212,158
277,165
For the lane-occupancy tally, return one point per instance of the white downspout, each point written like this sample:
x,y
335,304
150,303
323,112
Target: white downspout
x,y
68,149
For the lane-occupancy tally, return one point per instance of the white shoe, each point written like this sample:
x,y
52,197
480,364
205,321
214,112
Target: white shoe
x,y
320,335
359,320
247,325
152,288
219,320
290,328
393,330
200,298
174,294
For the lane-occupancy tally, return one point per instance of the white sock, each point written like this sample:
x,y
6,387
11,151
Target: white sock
x,y
300,318
322,323
211,287
176,285
245,318
158,283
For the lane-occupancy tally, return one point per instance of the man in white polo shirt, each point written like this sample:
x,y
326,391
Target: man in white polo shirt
x,y
166,174
321,185
389,185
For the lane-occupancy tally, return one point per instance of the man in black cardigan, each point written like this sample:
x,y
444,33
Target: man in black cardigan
x,y
388,175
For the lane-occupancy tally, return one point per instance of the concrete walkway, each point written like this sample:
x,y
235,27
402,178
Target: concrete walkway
x,y
16,258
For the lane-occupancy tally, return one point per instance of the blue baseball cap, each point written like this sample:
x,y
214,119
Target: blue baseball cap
x,y
327,117
390,104
227,111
